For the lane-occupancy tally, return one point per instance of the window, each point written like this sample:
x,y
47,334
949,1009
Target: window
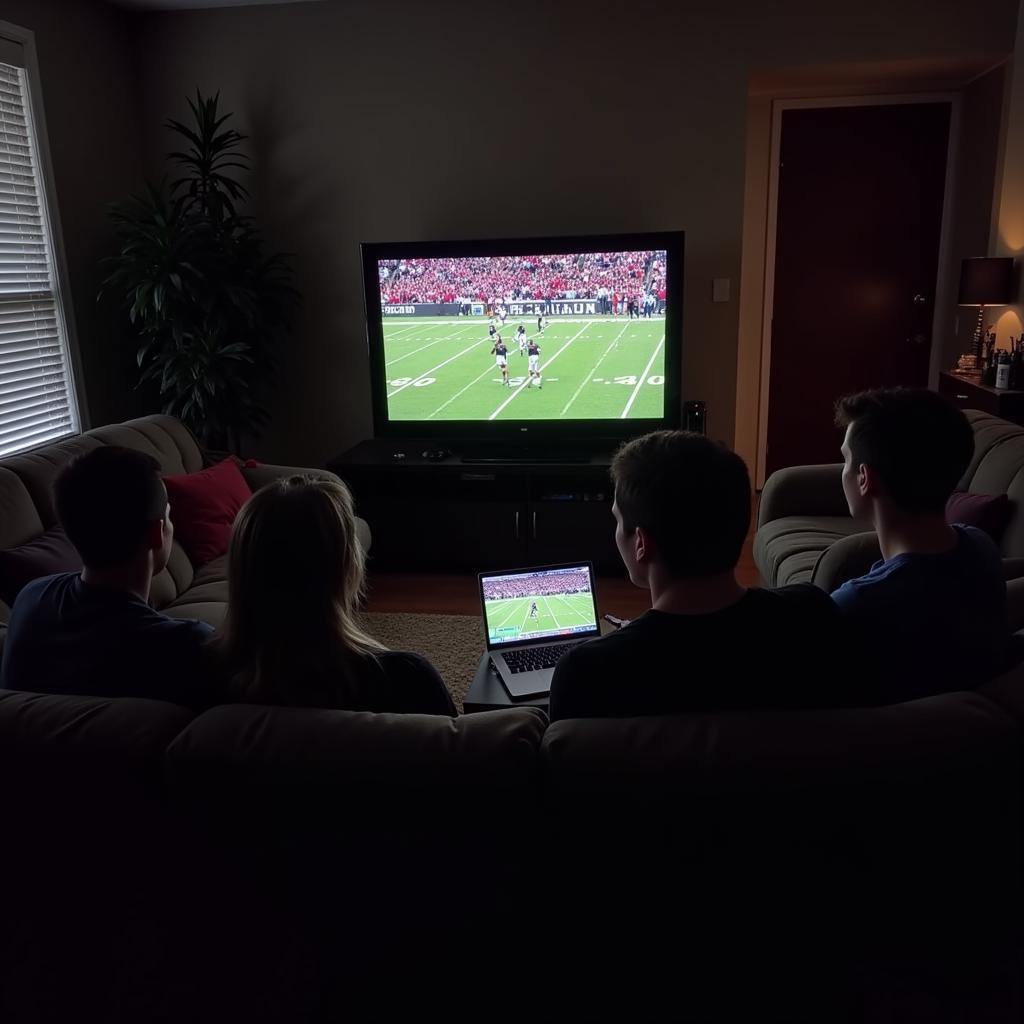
x,y
37,399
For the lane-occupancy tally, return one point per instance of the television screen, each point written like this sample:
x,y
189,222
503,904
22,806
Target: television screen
x,y
570,330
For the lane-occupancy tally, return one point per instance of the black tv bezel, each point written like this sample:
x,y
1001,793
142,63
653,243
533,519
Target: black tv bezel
x,y
525,432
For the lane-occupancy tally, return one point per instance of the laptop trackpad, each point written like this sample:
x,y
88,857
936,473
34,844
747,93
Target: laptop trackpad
x,y
523,685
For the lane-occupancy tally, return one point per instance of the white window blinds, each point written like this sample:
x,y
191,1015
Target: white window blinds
x,y
37,402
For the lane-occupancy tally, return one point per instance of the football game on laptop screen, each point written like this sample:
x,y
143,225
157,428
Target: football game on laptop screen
x,y
525,607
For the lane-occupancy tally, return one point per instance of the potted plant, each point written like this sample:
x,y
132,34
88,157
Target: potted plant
x,y
205,305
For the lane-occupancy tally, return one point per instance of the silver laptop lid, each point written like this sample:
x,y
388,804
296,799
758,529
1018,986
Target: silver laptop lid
x,y
534,606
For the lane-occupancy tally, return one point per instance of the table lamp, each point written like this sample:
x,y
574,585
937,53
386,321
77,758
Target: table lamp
x,y
985,281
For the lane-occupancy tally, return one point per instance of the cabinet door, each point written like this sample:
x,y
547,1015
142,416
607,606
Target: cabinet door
x,y
442,535
967,395
566,531
430,521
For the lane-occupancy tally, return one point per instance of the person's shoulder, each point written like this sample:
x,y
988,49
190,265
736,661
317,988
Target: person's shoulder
x,y
183,631
405,663
581,659
628,634
417,684
795,595
44,585
797,602
877,585
979,541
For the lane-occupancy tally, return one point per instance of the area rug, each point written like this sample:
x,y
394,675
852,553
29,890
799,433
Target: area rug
x,y
451,643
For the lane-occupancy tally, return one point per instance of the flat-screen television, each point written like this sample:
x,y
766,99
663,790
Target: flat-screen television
x,y
525,340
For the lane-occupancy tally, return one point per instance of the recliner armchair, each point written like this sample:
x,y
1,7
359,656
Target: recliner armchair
x,y
805,532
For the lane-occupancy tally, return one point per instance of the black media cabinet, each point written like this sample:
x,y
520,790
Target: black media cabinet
x,y
454,515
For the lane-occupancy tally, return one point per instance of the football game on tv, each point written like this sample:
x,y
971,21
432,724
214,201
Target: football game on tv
x,y
549,336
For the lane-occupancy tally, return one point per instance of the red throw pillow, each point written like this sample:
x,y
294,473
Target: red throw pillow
x,y
988,512
204,506
51,552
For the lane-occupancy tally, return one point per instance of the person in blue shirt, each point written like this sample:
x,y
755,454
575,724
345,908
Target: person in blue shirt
x,y
94,633
931,616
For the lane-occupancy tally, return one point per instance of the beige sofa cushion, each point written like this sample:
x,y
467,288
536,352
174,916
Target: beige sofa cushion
x,y
206,598
786,550
163,437
19,519
38,469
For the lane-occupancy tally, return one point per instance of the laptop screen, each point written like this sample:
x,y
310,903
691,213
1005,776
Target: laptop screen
x,y
534,605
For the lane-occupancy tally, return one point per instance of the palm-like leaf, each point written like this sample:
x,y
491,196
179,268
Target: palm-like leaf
x,y
206,305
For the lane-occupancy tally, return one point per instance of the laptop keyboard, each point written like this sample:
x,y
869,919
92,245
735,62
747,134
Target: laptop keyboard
x,y
531,659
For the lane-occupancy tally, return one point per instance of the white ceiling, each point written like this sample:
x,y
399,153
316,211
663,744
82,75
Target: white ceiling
x,y
190,5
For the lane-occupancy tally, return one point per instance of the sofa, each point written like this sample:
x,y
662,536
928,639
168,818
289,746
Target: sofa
x,y
182,589
266,864
805,533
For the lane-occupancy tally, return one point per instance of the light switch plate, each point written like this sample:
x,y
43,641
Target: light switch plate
x,y
720,289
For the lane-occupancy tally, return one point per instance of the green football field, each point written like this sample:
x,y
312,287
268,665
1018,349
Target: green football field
x,y
509,617
592,368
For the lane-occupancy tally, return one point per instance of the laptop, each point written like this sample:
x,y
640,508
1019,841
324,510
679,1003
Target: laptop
x,y
532,617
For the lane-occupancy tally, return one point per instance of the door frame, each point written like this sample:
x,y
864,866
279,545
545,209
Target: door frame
x,y
942,283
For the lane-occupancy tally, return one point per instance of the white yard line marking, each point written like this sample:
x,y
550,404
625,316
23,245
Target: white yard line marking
x,y
519,389
433,369
413,352
511,612
640,382
475,380
547,605
401,330
522,628
593,370
572,610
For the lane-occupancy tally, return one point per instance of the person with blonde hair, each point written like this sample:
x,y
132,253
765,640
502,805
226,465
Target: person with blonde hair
x,y
296,573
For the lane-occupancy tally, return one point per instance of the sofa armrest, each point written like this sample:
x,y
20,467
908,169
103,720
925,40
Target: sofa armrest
x,y
1007,690
846,559
803,491
260,475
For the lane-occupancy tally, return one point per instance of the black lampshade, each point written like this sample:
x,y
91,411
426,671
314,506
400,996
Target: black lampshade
x,y
986,281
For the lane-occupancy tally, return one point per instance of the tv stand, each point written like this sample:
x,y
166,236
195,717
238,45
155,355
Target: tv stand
x,y
481,508
497,454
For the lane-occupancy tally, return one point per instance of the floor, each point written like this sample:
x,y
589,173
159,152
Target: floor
x,y
457,595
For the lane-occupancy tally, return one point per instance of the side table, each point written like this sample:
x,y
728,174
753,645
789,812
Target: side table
x,y
486,692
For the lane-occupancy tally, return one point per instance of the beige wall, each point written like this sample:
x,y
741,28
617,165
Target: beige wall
x,y
1009,233
402,120
87,70
981,118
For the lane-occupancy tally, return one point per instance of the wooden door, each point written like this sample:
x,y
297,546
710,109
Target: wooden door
x,y
859,217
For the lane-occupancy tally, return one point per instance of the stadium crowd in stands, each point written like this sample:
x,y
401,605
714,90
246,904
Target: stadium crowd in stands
x,y
614,278
537,586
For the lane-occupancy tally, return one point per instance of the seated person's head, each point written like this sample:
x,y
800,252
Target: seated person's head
x,y
113,506
682,501
295,580
904,451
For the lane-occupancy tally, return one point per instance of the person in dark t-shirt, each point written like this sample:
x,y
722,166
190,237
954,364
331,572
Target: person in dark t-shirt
x,y
500,353
94,633
682,511
291,637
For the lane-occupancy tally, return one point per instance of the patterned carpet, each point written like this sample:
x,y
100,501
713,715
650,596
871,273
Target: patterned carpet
x,y
452,643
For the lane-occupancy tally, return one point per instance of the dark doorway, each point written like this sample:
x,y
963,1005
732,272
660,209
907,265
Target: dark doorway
x,y
859,217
